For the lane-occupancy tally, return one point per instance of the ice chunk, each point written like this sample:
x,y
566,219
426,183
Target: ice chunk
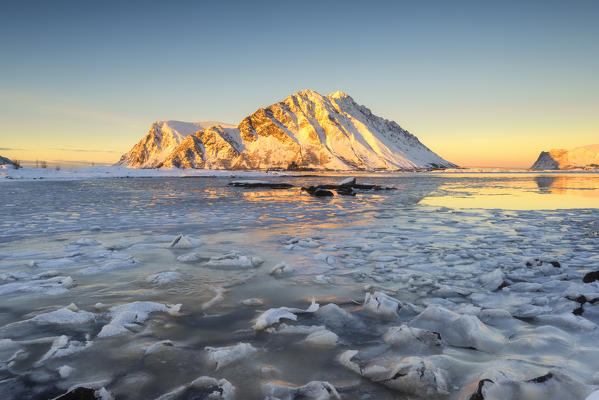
x,y
191,257
125,263
233,260
62,347
315,390
347,182
153,347
185,242
274,315
205,386
282,269
493,280
412,338
164,278
37,284
416,376
322,338
67,315
458,329
223,356
127,315
570,321
65,371
380,304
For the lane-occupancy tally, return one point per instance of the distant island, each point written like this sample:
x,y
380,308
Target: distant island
x,y
585,157
304,131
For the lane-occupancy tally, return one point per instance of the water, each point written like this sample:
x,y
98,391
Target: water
x,y
428,242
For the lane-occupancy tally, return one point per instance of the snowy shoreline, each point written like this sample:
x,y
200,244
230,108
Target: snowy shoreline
x,y
106,172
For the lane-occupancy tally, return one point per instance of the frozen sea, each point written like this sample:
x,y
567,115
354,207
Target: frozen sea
x,y
452,286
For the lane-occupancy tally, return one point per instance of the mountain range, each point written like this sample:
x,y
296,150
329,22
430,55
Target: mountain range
x,y
305,130
580,157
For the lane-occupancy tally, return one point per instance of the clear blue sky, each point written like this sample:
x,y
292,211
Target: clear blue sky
x,y
479,82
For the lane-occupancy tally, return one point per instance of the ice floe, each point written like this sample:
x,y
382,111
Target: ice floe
x,y
233,260
223,356
275,315
126,316
460,330
205,386
315,390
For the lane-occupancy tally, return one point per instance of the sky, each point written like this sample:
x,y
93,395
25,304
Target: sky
x,y
482,83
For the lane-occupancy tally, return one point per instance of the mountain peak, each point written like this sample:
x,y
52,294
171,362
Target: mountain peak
x,y
306,130
338,95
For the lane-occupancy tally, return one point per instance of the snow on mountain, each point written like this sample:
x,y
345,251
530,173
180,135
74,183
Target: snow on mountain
x,y
6,161
306,130
161,140
580,157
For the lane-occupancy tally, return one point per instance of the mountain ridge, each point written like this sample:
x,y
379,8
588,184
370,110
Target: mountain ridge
x,y
558,159
304,130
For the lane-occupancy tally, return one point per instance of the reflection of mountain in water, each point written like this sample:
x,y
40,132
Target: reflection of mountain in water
x,y
544,183
585,186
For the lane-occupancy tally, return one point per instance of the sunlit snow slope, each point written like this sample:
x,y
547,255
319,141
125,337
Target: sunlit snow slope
x,y
306,130
580,157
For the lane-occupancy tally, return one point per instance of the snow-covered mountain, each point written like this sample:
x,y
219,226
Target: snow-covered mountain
x,y
161,140
5,161
580,157
305,130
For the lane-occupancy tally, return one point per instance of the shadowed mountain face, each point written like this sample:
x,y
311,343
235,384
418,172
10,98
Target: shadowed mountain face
x,y
580,157
306,130
5,161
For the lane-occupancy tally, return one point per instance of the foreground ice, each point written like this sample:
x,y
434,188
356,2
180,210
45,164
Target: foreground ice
x,y
410,299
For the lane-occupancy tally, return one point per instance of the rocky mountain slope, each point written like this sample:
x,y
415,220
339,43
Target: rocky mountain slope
x,y
580,157
162,138
6,161
306,130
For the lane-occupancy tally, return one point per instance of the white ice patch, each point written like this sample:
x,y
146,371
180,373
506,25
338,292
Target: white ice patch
x,y
164,278
185,242
110,266
459,330
64,316
411,338
380,304
274,315
191,257
220,389
315,390
37,284
322,338
282,269
128,315
223,356
492,280
233,260
62,346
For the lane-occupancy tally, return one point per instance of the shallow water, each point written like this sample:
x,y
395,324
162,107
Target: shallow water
x,y
428,242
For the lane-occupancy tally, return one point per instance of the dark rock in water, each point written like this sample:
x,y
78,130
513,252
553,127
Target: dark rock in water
x,y
261,184
346,187
541,379
478,395
323,193
317,191
80,393
538,262
578,311
580,299
504,284
591,277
